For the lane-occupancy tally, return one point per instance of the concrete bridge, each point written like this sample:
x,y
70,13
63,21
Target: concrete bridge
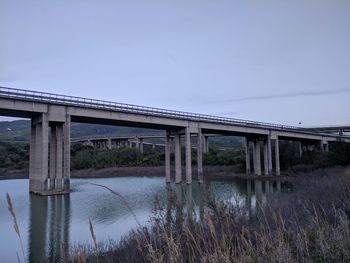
x,y
128,141
331,129
51,116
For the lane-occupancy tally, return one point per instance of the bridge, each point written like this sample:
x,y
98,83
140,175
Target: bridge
x,y
330,129
52,114
128,141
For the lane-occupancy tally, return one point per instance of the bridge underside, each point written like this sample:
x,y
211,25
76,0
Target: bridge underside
x,y
49,170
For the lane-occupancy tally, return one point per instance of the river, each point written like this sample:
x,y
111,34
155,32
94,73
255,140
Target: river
x,y
49,225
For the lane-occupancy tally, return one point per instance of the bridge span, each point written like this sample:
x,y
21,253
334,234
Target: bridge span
x,y
51,116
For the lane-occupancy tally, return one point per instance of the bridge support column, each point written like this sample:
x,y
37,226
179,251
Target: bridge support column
x,y
205,144
300,147
137,143
200,155
188,156
277,157
257,169
39,147
266,159
109,144
56,157
269,154
66,154
141,145
324,146
247,155
49,174
167,158
178,170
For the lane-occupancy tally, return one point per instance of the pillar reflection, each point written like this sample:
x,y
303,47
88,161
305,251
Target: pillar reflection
x,y
189,201
48,228
178,205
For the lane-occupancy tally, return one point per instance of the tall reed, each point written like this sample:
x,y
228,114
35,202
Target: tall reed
x,y
15,224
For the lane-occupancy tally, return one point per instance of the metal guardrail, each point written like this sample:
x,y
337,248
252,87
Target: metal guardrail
x,y
46,97
109,105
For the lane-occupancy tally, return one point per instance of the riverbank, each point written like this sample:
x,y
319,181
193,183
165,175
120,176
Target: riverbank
x,y
214,172
210,172
310,223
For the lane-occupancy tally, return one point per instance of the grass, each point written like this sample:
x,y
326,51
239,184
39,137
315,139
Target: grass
x,y
308,224
15,225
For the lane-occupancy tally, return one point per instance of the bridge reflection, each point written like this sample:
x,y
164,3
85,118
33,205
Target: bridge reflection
x,y
48,228
50,217
187,202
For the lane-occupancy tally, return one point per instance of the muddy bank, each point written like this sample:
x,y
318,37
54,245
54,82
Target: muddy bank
x,y
210,172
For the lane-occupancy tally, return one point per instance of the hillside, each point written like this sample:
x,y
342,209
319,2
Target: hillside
x,y
19,131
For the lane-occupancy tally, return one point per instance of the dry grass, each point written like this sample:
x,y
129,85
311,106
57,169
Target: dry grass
x,y
15,225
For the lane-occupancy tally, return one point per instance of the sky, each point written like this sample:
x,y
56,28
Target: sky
x,y
280,61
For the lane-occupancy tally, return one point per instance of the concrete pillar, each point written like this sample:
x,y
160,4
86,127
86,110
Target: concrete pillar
x,y
206,143
257,158
32,155
247,155
300,149
188,157
178,173
66,153
200,156
59,158
53,149
137,143
167,158
141,145
266,159
39,172
153,147
277,157
109,143
326,147
254,157
269,154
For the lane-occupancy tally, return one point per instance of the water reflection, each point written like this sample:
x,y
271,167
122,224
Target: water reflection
x,y
48,228
54,223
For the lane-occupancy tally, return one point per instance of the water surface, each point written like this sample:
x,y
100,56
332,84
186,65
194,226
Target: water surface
x,y
49,225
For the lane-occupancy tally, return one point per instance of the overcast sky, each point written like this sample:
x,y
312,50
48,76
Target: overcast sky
x,y
276,61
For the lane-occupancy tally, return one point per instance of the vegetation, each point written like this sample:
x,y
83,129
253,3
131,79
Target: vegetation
x,y
339,154
14,155
313,227
85,157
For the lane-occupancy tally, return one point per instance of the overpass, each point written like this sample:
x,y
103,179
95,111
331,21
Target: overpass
x,y
128,141
330,129
51,116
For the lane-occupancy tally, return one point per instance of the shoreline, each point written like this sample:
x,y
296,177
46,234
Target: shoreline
x,y
219,172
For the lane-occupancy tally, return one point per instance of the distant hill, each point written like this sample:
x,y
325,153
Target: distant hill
x,y
19,131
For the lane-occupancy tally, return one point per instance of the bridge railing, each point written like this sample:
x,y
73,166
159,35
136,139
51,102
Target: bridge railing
x,y
109,105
